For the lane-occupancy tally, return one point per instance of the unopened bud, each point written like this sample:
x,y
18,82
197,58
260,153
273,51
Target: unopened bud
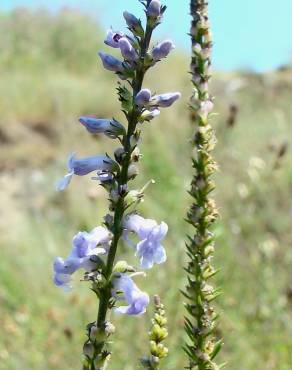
x,y
154,9
109,328
88,350
119,155
133,171
134,24
135,155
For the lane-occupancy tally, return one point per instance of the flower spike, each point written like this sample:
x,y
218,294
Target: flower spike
x,y
95,252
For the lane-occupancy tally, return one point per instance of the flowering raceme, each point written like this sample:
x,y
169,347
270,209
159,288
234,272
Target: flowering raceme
x,y
95,251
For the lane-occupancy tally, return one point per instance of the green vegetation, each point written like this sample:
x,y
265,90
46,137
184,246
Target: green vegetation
x,y
49,76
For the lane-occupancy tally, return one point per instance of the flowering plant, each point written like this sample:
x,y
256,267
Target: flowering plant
x,y
95,251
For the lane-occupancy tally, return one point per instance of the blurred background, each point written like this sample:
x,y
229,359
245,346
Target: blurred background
x,y
50,75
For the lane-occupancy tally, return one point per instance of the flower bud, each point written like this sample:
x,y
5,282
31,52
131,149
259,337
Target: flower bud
x,y
88,350
119,155
205,108
134,23
149,115
158,334
162,50
110,127
93,333
122,267
114,196
134,196
143,97
127,50
154,9
111,63
154,361
165,100
109,328
133,171
153,348
135,156
108,220
135,139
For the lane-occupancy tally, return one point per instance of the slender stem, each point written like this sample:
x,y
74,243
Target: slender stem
x,y
122,180
200,323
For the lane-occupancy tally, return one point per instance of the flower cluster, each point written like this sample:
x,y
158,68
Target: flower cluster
x,y
95,251
86,248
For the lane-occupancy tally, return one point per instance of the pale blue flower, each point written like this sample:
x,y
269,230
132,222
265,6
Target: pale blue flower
x,y
149,249
84,243
63,281
162,50
84,166
111,63
143,97
127,50
154,9
113,37
85,246
109,127
124,289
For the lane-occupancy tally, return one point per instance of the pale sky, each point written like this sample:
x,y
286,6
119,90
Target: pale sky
x,y
250,34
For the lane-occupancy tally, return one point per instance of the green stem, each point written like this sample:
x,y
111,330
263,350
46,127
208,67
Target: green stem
x,y
122,180
201,347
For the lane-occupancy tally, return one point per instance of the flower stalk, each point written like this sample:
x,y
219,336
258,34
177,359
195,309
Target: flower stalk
x,y
202,345
96,251
132,116
157,336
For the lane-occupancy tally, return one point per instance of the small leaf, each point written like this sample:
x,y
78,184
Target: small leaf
x,y
217,348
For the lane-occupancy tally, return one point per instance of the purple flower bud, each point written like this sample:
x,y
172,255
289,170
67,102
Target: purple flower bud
x,y
143,97
165,100
162,50
154,9
84,166
127,50
112,38
111,63
111,128
149,249
131,20
126,290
